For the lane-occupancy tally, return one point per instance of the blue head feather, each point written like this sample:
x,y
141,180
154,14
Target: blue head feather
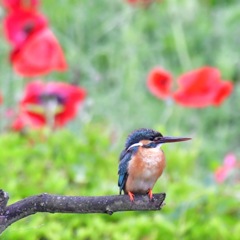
x,y
141,134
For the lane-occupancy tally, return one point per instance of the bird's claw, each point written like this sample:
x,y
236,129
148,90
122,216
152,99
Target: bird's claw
x,y
150,194
131,196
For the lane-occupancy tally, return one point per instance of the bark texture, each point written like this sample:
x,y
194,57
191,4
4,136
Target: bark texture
x,y
73,204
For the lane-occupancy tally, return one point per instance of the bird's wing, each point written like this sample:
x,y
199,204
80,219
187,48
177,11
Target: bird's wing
x,y
125,157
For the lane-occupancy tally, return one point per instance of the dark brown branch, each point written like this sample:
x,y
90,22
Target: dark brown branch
x,y
3,201
73,204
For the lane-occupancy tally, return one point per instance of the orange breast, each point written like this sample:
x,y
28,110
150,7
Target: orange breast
x,y
144,169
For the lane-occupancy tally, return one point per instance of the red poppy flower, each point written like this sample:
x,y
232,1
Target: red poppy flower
x,y
38,55
55,101
224,171
24,120
201,88
141,2
159,83
1,99
19,25
20,4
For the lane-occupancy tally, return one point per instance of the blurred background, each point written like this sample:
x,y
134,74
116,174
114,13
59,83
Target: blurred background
x,y
110,47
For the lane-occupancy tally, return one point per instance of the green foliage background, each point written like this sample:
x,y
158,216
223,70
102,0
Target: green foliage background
x,y
110,47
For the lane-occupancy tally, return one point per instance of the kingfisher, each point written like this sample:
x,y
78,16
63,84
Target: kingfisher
x,y
142,161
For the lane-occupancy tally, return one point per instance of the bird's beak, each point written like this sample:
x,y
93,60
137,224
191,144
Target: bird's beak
x,y
172,139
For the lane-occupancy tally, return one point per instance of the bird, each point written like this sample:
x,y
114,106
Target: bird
x,y
142,161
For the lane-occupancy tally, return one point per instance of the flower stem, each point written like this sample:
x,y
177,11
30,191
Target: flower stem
x,y
179,36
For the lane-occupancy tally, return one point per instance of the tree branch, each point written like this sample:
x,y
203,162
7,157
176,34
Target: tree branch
x,y
73,204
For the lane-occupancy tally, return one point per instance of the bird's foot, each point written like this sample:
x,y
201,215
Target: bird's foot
x,y
131,196
150,194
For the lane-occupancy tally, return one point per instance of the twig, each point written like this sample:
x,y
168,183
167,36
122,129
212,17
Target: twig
x,y
73,204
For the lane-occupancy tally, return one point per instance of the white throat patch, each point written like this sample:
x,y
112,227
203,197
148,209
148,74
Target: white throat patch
x,y
135,145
